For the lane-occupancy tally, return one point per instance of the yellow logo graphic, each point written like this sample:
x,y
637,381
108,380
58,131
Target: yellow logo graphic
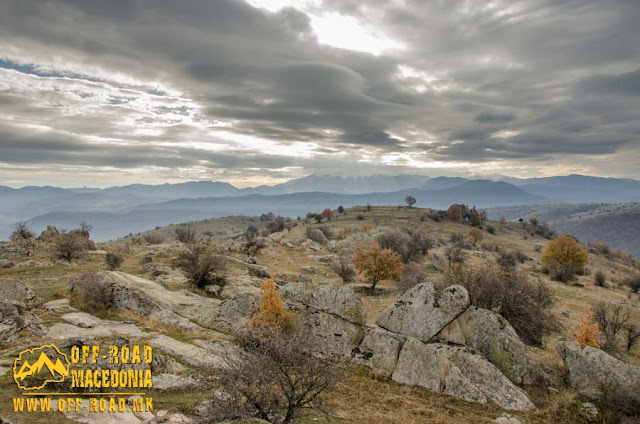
x,y
36,367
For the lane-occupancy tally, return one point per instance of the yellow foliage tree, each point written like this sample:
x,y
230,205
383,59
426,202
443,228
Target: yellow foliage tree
x,y
378,264
564,257
270,314
588,333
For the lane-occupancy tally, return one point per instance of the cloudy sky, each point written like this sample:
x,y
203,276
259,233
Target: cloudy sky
x,y
102,93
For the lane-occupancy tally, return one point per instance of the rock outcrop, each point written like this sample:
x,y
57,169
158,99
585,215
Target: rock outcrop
x,y
494,338
15,290
599,376
331,317
457,371
421,312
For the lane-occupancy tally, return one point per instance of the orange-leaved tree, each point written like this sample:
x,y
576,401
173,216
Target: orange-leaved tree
x,y
564,257
270,315
378,264
588,333
475,236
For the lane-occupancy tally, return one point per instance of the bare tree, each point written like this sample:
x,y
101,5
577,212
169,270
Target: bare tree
x,y
611,320
21,231
633,334
277,379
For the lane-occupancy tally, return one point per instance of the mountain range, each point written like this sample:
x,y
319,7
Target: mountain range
x,y
117,211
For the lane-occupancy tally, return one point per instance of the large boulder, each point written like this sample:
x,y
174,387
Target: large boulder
x,y
458,372
14,318
142,296
16,291
379,350
599,376
494,338
339,301
421,312
234,313
328,334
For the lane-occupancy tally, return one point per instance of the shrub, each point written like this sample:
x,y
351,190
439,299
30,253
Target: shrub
x,y
277,379
475,236
71,245
457,238
412,276
633,283
186,234
360,217
526,305
267,217
21,231
153,238
507,261
114,260
276,225
378,264
201,267
411,245
600,279
455,256
340,209
270,316
345,269
252,243
564,257
410,200
533,221
633,334
611,320
587,333
368,207
491,229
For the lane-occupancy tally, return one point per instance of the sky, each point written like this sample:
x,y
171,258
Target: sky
x,y
100,93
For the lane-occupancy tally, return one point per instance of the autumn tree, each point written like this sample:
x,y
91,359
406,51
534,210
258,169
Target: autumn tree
x,y
564,257
588,333
327,214
378,264
410,200
270,315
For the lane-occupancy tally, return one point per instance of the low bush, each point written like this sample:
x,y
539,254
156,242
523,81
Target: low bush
x,y
345,269
201,266
186,234
599,278
114,260
70,245
526,305
21,231
410,244
633,283
412,276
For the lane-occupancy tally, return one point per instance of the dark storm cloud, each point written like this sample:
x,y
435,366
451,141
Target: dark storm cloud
x,y
517,81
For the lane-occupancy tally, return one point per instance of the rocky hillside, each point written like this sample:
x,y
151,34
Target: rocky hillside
x,y
419,349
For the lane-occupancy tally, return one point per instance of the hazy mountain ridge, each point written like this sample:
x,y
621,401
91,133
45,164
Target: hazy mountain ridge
x,y
616,224
117,211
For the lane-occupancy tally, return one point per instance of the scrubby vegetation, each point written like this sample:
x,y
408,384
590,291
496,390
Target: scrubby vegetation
x,y
564,257
201,266
378,264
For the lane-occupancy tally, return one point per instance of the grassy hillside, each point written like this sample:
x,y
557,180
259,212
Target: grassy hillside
x,y
365,396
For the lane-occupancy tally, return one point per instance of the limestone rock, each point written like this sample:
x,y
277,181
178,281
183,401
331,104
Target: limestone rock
x,y
233,314
456,371
142,296
15,290
422,313
494,338
186,352
507,419
14,318
317,236
379,350
172,381
328,334
6,263
83,326
339,301
599,376
589,412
